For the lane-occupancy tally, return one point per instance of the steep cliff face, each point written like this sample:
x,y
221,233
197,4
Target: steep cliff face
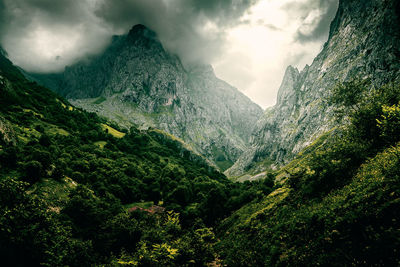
x,y
135,81
364,42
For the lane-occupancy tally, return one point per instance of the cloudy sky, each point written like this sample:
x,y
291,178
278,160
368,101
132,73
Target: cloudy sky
x,y
249,42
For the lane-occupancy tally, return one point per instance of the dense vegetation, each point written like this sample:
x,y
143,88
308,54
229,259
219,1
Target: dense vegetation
x,y
340,203
76,190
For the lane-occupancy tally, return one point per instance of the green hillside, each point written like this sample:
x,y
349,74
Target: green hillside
x,y
340,200
73,188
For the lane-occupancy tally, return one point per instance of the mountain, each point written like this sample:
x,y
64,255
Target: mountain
x,y
364,42
76,190
337,202
137,82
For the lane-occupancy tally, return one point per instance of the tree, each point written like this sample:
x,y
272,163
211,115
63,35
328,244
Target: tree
x,y
389,123
29,234
348,96
45,140
33,171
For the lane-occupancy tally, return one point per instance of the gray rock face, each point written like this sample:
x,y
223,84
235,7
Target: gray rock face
x,y
136,82
364,42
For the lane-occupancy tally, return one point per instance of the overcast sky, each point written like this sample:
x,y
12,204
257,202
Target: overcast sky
x,y
249,42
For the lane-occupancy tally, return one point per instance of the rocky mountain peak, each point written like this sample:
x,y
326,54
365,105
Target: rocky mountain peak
x,y
287,88
364,42
140,31
138,28
137,82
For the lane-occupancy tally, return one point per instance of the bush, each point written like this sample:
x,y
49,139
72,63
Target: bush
x,y
33,171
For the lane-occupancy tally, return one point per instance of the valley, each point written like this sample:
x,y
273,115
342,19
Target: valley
x,y
136,82
130,157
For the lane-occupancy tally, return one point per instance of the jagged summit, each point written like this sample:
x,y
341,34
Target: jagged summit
x,y
139,30
137,82
289,81
364,42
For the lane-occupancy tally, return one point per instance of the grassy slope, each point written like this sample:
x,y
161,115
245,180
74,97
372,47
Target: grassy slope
x,y
356,224
339,201
68,147
82,175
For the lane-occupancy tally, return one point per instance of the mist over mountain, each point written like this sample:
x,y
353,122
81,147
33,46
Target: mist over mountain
x,y
357,48
136,82
121,161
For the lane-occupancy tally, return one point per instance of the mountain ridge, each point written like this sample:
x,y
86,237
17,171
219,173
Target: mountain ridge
x,y
136,82
356,49
75,190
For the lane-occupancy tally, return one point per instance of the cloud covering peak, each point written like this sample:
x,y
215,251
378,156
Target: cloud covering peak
x,y
46,35
249,42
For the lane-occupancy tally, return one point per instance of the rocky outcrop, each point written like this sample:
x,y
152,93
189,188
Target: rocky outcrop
x,y
7,134
364,42
136,82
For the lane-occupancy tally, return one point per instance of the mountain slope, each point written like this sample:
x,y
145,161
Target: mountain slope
x,y
136,82
355,225
75,190
364,42
339,200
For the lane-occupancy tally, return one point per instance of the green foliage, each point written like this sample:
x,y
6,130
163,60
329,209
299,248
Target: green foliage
x,y
29,233
342,202
347,97
339,206
33,171
167,244
86,171
373,126
389,123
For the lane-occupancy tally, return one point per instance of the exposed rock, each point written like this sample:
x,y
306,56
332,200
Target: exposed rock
x,y
7,134
136,82
363,43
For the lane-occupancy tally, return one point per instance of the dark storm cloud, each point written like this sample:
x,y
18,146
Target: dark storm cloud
x,y
224,11
317,16
24,12
30,29
3,19
122,14
183,26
